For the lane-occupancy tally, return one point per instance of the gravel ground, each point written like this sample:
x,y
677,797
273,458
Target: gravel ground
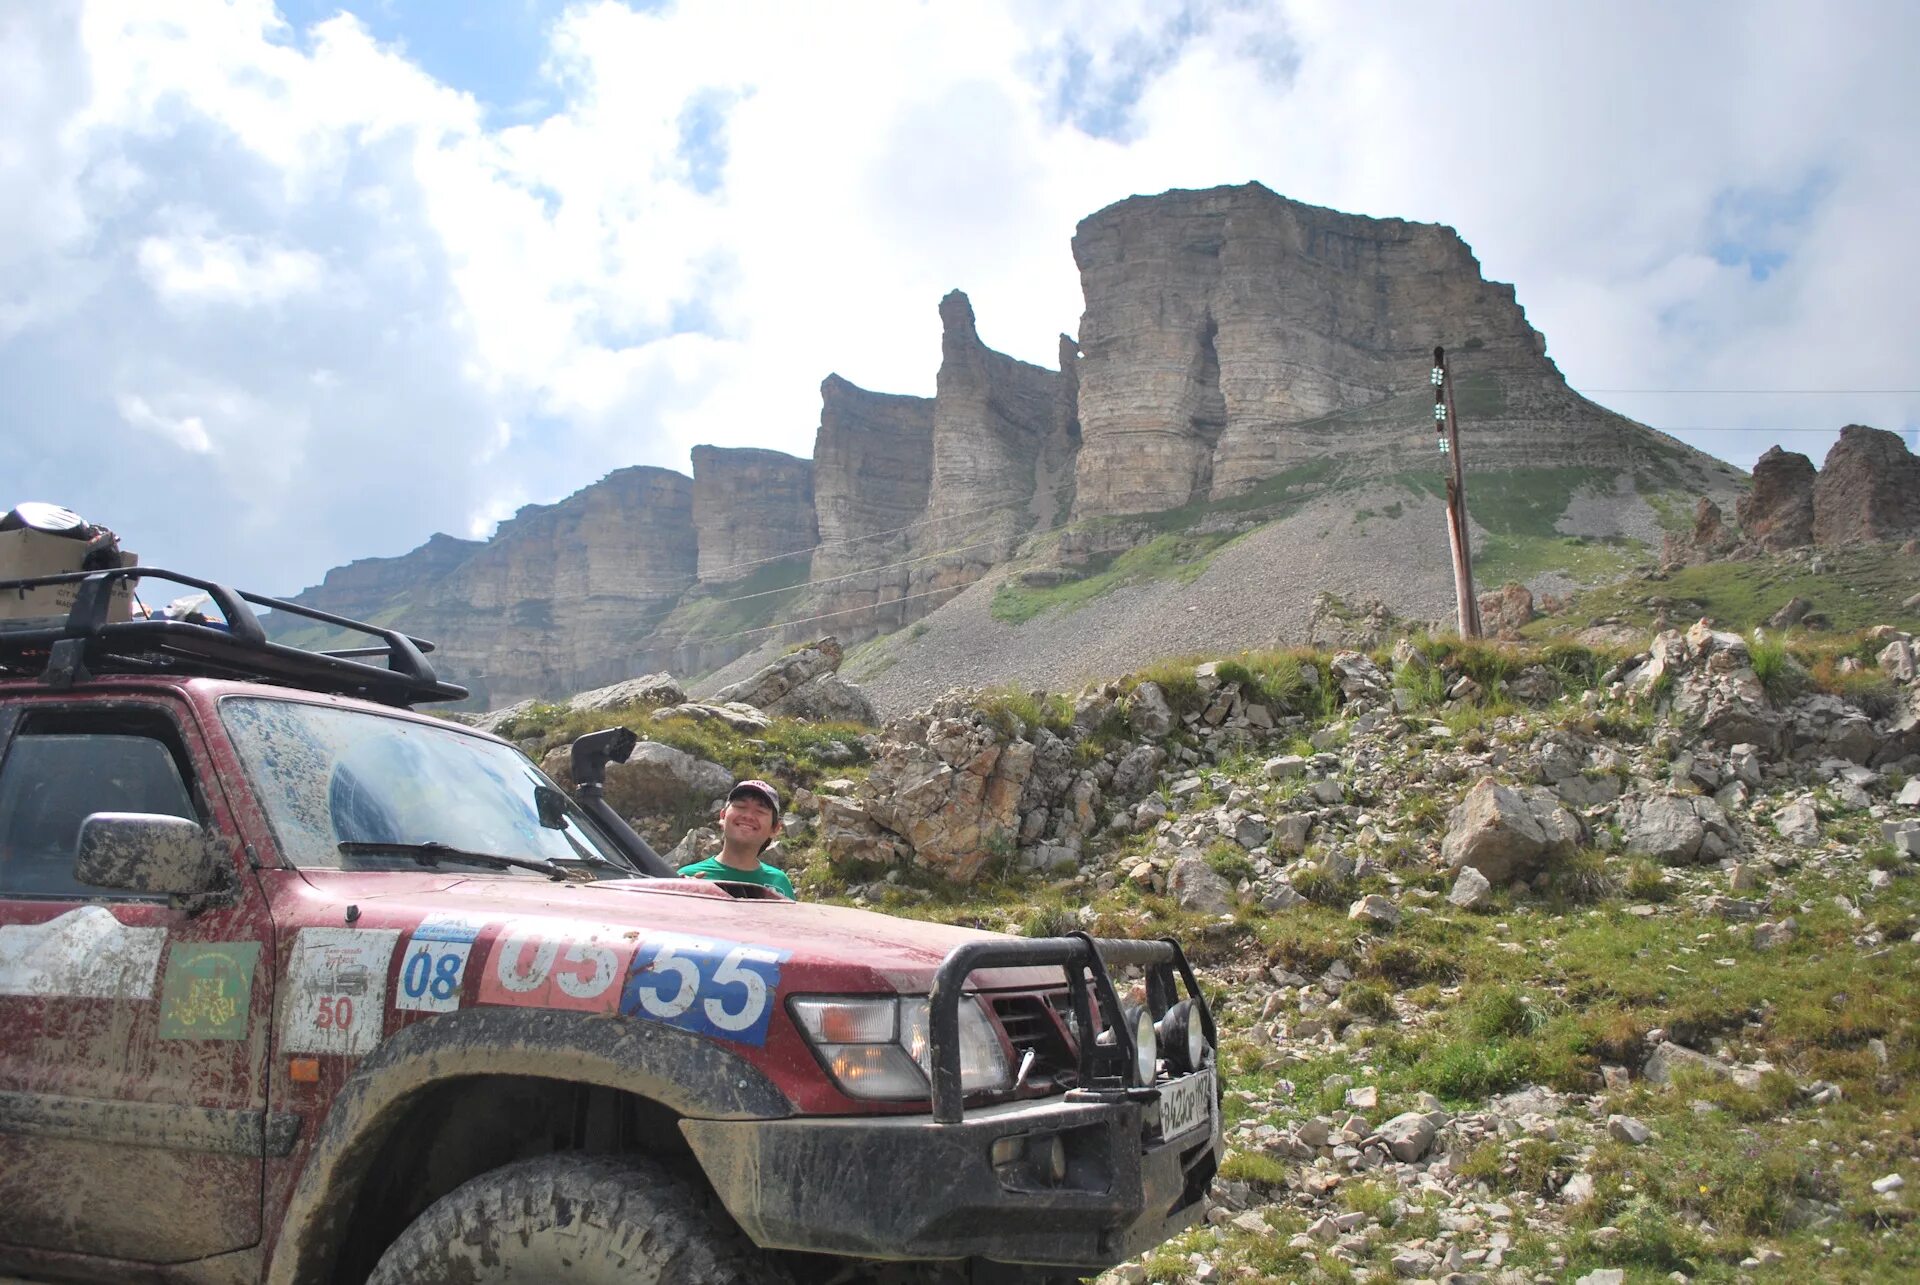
x,y
1257,592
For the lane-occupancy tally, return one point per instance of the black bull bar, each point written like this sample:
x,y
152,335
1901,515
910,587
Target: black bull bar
x,y
1103,1066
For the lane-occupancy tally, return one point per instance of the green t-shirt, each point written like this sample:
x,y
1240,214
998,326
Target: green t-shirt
x,y
714,868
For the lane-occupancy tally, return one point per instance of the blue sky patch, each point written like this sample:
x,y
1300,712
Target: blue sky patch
x,y
1758,228
492,49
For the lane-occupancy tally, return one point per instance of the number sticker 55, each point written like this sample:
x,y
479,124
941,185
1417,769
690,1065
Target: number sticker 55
x,y
705,985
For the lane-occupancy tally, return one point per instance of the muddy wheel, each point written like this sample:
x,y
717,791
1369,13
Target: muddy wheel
x,y
574,1218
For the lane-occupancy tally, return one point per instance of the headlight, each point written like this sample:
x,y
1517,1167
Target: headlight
x,y
878,1048
1146,1047
1183,1037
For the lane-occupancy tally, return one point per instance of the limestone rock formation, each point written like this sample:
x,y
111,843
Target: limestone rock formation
x,y
559,599
367,586
1868,489
1231,338
925,496
1778,513
872,467
751,508
1231,335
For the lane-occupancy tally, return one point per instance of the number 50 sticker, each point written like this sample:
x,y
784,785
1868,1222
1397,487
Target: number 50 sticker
x,y
705,985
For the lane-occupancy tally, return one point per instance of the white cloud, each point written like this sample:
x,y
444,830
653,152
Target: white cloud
x,y
188,432
289,272
232,270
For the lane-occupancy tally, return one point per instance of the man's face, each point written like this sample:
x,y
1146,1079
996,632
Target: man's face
x,y
748,820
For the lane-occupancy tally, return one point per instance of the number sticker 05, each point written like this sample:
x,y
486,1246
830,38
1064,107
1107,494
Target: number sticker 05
x,y
532,969
705,985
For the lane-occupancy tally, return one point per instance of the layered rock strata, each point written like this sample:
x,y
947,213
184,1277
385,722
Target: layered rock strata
x,y
996,454
562,595
751,509
1231,335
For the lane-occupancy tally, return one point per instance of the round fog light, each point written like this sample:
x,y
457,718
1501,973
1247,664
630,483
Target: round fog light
x,y
1146,1048
1183,1036
1057,1158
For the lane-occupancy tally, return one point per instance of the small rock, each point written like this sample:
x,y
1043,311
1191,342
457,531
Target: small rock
x,y
1892,1182
1408,1136
1624,1128
1364,1098
1770,936
1375,909
1578,1191
1798,823
1471,891
1286,765
1603,1276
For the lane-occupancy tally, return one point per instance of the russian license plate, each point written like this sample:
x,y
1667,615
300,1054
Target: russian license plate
x,y
1186,1104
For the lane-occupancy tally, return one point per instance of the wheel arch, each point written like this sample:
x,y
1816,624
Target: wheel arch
x,y
677,1072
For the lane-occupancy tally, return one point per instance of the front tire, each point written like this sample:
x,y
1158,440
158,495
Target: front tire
x,y
586,1220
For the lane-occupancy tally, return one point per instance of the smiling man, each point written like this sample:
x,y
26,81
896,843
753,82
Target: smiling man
x,y
750,821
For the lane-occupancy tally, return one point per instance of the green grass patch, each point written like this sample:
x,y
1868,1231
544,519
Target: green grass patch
x,y
1165,557
1857,587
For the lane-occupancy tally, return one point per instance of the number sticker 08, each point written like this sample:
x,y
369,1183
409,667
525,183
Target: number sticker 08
x,y
432,975
705,985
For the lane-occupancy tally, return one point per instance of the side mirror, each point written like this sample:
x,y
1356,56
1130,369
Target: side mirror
x,y
551,805
149,853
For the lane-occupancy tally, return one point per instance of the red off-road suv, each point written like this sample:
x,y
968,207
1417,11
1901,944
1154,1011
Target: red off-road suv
x,y
298,985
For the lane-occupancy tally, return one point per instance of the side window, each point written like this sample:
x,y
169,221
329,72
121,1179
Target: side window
x,y
61,769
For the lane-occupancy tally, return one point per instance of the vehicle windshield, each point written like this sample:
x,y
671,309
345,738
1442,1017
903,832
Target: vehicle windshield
x,y
329,776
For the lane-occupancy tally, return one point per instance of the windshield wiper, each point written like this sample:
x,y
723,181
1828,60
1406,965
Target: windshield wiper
x,y
433,853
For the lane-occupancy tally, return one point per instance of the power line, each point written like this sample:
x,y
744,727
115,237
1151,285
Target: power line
x,y
1762,392
875,535
855,575
807,620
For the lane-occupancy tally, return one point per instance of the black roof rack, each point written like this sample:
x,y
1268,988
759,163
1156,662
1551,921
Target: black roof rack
x,y
87,643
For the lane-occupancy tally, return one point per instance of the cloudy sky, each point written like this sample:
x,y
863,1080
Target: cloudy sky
x,y
285,286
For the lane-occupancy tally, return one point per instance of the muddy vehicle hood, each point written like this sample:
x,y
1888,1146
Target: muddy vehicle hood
x,y
827,947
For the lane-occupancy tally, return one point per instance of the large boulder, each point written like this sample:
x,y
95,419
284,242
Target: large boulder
x,y
826,699
648,689
1505,612
951,791
795,669
1868,489
1135,774
1778,513
742,718
1196,886
1677,829
1507,833
656,779
1148,713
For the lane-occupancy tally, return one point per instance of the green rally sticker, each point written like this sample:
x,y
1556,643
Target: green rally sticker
x,y
208,991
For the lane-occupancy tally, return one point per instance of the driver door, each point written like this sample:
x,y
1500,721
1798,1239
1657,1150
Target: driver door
x,y
133,1032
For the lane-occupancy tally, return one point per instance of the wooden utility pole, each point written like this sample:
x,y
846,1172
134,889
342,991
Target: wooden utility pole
x,y
1447,428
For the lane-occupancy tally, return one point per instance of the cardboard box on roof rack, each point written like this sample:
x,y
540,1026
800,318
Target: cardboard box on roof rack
x,y
26,553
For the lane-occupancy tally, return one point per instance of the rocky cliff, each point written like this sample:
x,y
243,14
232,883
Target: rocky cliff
x,y
559,599
1232,341
918,497
750,508
1232,334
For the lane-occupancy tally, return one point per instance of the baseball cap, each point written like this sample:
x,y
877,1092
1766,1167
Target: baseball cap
x,y
758,790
